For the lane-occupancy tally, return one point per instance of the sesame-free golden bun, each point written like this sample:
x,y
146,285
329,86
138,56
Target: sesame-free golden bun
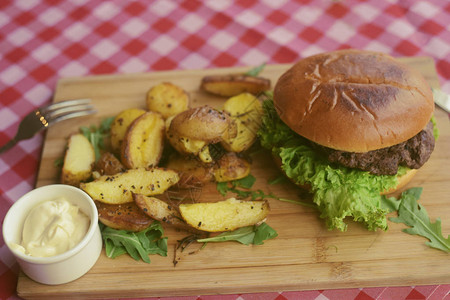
x,y
353,100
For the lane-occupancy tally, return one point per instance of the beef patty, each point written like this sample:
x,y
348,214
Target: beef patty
x,y
413,154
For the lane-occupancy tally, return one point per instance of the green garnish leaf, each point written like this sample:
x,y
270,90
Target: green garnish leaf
x,y
97,135
246,182
414,215
255,71
59,162
264,232
241,188
254,234
222,188
279,179
390,204
139,245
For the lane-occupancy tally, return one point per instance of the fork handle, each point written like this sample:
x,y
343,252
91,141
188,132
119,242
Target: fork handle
x,y
8,145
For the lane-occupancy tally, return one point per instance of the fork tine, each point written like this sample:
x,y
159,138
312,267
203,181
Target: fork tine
x,y
54,113
62,104
73,114
68,109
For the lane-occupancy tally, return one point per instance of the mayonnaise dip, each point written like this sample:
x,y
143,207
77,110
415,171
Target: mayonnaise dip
x,y
53,227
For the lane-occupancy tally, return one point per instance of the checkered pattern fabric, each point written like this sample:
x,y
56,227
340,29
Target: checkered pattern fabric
x,y
42,41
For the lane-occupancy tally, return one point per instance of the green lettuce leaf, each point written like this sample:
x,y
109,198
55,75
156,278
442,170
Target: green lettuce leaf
x,y
339,192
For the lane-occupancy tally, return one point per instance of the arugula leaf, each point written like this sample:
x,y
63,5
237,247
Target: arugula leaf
x,y
222,188
139,245
232,186
276,180
58,162
302,203
246,182
264,232
254,234
98,135
255,71
414,215
390,204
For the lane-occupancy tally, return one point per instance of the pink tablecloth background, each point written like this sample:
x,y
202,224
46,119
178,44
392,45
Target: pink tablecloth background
x,y
42,41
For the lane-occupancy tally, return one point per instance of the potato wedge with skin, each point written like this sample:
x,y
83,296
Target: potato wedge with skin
x,y
79,160
246,111
109,164
202,123
167,99
192,172
231,167
127,216
144,141
192,131
120,125
118,189
225,215
160,210
234,84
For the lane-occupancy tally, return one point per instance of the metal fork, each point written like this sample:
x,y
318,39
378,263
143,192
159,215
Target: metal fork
x,y
46,116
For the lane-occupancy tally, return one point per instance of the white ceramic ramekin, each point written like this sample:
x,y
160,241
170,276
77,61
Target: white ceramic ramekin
x,y
61,268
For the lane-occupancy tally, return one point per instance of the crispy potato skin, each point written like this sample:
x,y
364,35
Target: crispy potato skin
x,y
127,216
246,112
120,125
118,189
202,123
231,167
234,84
109,164
192,131
224,215
79,160
161,211
167,99
144,141
191,171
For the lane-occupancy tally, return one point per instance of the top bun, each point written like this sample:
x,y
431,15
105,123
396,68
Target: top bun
x,y
353,100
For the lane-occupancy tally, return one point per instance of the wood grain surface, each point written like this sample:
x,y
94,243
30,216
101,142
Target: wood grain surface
x,y
304,256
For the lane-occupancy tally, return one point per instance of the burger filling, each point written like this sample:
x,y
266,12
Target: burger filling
x,y
338,191
412,153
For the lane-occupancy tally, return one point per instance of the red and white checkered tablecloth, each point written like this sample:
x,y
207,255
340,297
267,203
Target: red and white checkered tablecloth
x,y
44,40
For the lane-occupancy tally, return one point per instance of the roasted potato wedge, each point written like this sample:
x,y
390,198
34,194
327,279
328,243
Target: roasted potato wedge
x,y
118,189
191,171
202,123
109,164
224,215
160,210
127,216
246,111
120,125
144,141
231,167
192,131
167,99
234,84
79,160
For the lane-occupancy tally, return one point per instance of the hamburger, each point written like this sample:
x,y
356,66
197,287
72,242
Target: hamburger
x,y
350,126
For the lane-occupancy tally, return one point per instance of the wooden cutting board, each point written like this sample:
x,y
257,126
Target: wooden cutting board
x,y
304,256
